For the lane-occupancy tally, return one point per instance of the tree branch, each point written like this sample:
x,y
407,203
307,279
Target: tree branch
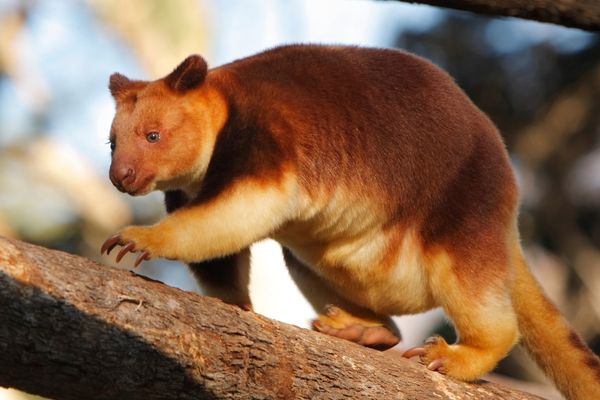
x,y
583,14
72,328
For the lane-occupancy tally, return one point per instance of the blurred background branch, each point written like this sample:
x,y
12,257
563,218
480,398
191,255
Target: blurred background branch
x,y
584,14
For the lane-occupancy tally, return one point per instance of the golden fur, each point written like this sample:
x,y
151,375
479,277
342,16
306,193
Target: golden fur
x,y
373,169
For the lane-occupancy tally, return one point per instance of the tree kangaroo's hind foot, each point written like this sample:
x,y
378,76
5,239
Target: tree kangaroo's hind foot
x,y
380,335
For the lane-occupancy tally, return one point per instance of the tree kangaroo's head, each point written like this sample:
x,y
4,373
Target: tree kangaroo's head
x,y
164,131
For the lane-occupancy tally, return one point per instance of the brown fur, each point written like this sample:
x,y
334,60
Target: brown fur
x,y
373,168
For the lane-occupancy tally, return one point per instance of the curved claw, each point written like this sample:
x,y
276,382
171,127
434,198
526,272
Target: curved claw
x,y
110,244
317,325
130,246
436,365
414,352
144,256
433,340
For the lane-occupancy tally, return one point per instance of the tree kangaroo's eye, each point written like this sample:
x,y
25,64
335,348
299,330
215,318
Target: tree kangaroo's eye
x,y
153,136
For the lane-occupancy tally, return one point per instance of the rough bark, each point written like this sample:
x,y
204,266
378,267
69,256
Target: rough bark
x,y
71,328
583,14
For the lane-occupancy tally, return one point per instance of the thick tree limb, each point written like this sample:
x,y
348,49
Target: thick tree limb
x,y
583,14
74,329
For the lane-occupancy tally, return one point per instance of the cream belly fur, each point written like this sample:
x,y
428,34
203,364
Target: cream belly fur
x,y
348,249
403,290
275,294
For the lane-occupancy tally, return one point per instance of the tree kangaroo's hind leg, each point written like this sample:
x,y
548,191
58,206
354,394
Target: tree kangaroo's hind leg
x,y
480,308
336,315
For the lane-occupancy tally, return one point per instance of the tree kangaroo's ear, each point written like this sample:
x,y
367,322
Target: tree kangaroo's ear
x,y
119,85
188,75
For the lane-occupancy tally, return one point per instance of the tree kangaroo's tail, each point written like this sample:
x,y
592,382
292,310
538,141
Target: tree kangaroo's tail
x,y
557,349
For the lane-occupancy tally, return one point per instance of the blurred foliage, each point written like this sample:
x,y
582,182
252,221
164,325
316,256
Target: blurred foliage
x,y
161,33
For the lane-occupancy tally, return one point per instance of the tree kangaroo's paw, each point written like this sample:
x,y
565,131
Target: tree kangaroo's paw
x,y
132,240
370,333
434,354
461,361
